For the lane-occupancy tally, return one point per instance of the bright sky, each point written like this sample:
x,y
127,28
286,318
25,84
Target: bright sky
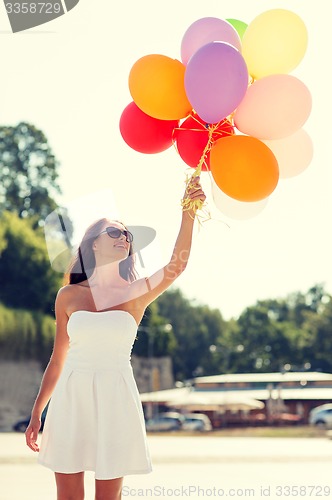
x,y
70,79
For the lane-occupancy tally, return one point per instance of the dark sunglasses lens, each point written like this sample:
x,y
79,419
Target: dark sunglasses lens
x,y
113,232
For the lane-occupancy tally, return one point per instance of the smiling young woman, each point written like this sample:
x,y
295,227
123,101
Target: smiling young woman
x,y
95,419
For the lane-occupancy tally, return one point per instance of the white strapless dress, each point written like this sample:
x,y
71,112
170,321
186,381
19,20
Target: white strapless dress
x,y
95,419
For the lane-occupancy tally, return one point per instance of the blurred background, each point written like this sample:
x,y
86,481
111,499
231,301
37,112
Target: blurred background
x,y
246,330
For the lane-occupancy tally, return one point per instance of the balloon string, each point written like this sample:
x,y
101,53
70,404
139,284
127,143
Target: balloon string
x,y
186,202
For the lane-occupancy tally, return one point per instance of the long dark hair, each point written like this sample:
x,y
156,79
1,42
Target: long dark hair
x,y
84,262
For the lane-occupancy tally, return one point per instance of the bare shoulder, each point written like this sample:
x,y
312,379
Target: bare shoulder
x,y
66,296
64,293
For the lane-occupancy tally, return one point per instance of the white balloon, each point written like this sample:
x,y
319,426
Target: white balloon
x,y
235,209
293,153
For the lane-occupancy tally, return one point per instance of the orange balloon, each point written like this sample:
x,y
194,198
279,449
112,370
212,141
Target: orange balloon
x,y
156,84
244,168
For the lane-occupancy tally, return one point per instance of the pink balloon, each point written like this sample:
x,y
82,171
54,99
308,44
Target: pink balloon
x,y
274,107
207,30
216,80
293,153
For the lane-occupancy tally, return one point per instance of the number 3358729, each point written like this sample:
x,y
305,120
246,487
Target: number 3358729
x,y
33,8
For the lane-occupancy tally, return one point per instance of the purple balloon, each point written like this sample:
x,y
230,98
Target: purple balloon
x,y
207,30
216,80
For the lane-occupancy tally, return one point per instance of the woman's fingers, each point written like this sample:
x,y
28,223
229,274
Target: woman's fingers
x,y
194,186
195,191
31,435
199,195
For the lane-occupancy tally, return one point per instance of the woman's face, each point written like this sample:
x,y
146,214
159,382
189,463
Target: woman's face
x,y
111,249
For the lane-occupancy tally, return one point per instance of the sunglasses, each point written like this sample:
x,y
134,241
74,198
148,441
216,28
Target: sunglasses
x,y
115,232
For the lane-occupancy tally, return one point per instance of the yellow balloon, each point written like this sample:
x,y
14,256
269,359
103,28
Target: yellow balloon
x,y
156,84
274,42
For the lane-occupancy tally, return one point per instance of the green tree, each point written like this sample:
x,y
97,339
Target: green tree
x,y
27,279
196,328
319,331
278,309
266,346
300,304
155,336
26,335
276,332
28,172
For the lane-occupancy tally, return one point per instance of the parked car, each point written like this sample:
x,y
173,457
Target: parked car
x,y
21,425
196,422
321,415
168,421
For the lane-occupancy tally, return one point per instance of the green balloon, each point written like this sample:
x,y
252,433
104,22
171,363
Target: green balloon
x,y
240,26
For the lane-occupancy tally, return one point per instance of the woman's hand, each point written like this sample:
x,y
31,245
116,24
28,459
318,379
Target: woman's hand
x,y
31,433
194,196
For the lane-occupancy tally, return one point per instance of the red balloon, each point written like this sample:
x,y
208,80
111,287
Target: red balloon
x,y
192,136
144,133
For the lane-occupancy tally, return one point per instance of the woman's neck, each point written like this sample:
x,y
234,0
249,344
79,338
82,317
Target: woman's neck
x,y
106,276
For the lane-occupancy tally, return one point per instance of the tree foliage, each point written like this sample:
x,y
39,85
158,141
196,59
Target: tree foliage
x,y
319,331
26,277
25,334
293,333
196,328
28,172
155,336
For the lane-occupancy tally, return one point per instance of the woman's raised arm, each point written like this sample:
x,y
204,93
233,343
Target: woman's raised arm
x,y
162,279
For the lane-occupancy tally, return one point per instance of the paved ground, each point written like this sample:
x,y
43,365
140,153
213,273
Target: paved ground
x,y
193,467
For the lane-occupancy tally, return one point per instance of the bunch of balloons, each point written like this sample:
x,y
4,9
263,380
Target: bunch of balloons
x,y
229,106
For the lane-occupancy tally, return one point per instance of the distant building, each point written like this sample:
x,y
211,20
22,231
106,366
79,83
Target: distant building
x,y
248,398
288,396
